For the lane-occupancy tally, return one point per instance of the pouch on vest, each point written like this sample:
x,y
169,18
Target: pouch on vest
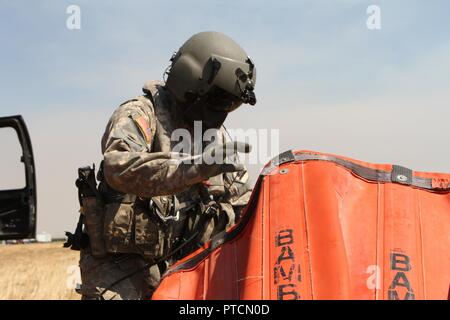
x,y
130,227
92,208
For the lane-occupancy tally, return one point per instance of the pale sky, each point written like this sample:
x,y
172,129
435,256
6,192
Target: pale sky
x,y
325,80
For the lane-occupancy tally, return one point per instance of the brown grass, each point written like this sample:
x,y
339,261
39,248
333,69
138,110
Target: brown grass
x,y
38,271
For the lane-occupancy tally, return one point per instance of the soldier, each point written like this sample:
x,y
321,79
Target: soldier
x,y
160,197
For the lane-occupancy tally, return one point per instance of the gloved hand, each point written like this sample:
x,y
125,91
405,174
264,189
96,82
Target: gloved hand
x,y
213,161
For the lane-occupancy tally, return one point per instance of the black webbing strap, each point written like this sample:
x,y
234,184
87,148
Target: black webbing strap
x,y
398,174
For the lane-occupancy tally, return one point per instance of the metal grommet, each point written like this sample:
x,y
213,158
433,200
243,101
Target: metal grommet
x,y
284,171
402,178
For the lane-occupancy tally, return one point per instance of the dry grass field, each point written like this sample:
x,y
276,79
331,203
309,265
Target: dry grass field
x,y
38,271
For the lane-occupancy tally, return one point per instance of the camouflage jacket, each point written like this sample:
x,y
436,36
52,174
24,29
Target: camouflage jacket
x,y
138,149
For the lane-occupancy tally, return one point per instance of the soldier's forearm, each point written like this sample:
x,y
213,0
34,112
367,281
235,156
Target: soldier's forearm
x,y
160,173
144,174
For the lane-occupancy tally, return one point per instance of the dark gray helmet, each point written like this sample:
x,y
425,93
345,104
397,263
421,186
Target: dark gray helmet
x,y
211,62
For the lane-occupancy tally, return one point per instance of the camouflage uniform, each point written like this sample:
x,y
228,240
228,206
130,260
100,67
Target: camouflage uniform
x,y
137,151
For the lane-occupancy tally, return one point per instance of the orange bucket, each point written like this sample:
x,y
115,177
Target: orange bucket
x,y
320,226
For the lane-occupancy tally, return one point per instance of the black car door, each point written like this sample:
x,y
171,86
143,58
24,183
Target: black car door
x,y
17,181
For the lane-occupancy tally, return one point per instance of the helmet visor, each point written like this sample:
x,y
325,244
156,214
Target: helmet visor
x,y
235,77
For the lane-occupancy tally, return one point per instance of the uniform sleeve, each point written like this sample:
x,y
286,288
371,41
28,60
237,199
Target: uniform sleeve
x,y
129,167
